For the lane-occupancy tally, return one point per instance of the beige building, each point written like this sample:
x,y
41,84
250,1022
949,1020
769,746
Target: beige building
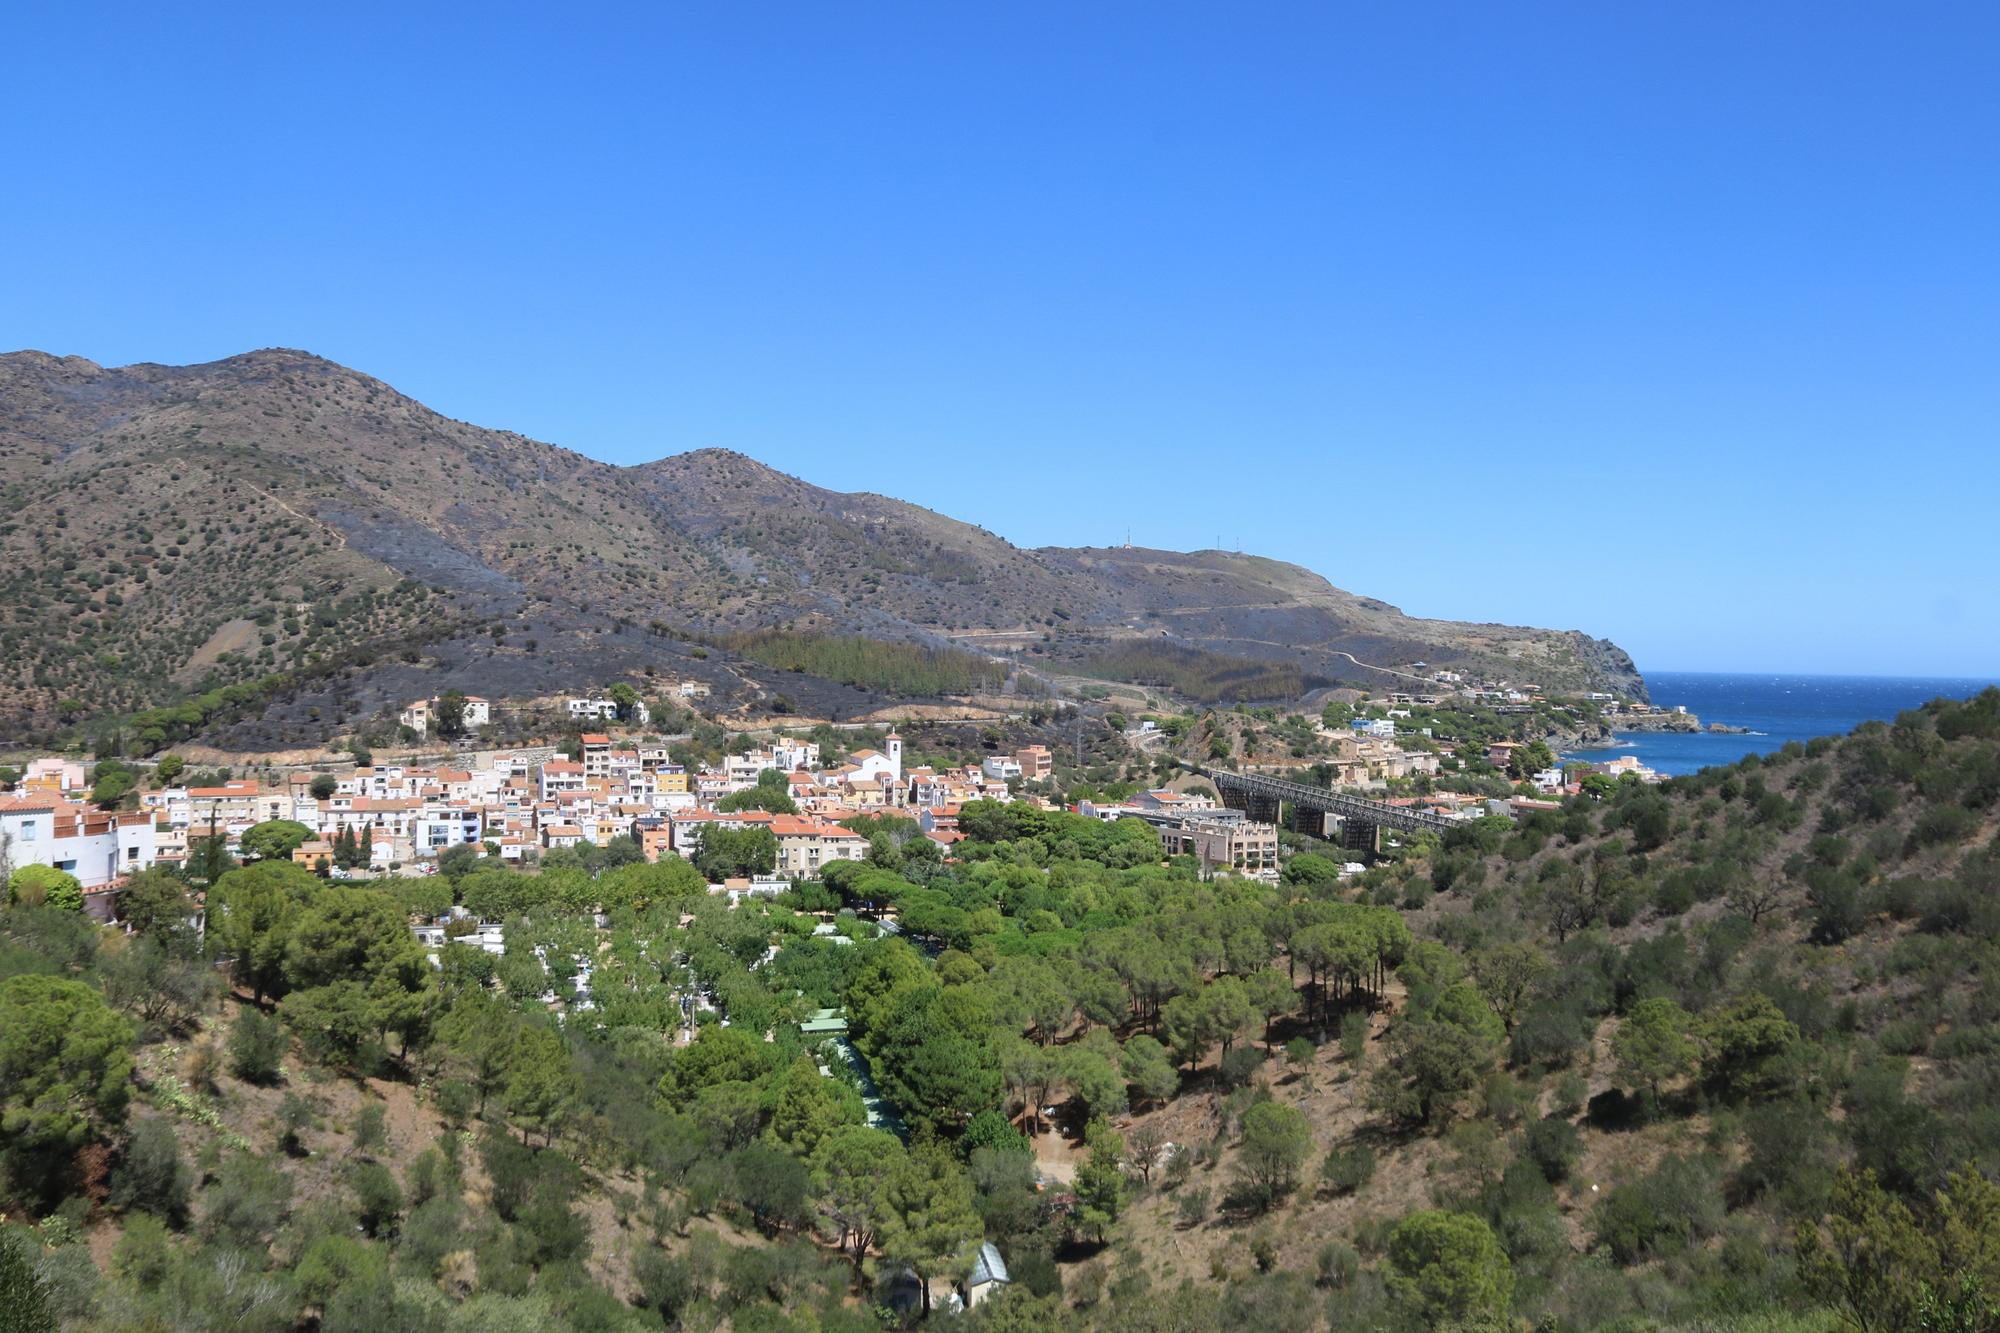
x,y
805,845
1241,845
1036,762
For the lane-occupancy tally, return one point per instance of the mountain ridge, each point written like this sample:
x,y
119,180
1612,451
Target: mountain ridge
x,y
145,507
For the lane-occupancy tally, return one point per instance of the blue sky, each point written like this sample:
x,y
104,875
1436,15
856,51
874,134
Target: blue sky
x,y
1675,326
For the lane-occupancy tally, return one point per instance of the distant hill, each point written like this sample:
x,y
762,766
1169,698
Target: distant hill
x,y
172,527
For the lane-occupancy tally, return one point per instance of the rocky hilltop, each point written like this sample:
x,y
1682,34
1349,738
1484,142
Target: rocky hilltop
x,y
167,527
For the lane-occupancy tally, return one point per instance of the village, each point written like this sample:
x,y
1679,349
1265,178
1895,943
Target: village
x,y
622,786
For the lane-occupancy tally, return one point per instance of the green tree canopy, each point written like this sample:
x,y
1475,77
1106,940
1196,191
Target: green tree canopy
x,y
1654,1044
728,852
251,911
811,1107
451,714
1277,1143
45,886
274,839
1744,1045
856,1168
65,1071
932,1225
157,906
1449,1266
348,934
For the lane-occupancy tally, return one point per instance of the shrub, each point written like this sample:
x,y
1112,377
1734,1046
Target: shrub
x,y
370,1127
457,1100
666,1283
1549,1034
1678,1204
153,1178
245,1202
256,1047
1944,824
1354,1038
1336,1266
1240,1066
1570,1092
38,885
295,1117
1346,1170
26,1300
1553,1145
378,1199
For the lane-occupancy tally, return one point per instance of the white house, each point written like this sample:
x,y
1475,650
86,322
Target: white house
x,y
416,715
442,826
1001,767
421,713
96,846
605,709
789,755
746,766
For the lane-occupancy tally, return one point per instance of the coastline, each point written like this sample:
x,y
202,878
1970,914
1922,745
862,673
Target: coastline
x,y
1608,736
1765,713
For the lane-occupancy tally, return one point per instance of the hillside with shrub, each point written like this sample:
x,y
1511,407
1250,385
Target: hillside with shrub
x,y
172,530
1715,1054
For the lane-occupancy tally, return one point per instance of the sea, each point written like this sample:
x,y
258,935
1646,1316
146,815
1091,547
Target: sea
x,y
1775,709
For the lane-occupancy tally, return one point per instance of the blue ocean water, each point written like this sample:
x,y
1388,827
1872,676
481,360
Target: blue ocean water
x,y
1776,709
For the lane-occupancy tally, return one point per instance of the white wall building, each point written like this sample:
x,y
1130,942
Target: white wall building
x,y
95,846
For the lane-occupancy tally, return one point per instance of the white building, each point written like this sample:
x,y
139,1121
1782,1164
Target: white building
x,y
439,827
790,756
605,709
416,715
885,765
98,847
